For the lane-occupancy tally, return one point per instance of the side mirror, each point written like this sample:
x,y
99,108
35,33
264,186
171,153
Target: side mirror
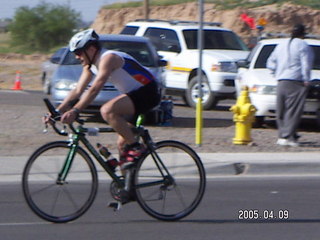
x,y
55,60
243,64
162,63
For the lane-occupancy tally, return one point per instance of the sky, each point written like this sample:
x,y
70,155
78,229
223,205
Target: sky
x,y
88,8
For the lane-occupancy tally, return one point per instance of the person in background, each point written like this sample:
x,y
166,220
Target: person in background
x,y
291,63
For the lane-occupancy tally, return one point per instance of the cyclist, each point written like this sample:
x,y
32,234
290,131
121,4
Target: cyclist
x,y
138,87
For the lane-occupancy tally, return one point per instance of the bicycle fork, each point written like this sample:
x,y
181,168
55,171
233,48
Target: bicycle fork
x,y
62,176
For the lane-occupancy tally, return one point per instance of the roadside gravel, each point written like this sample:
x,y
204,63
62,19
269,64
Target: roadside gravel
x,y
21,132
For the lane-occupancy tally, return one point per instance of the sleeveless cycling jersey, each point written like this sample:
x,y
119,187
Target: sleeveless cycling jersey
x,y
131,76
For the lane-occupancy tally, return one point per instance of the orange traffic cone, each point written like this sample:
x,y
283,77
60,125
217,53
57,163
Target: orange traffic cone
x,y
17,82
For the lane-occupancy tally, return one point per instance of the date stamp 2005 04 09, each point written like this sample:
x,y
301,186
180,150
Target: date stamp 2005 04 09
x,y
255,214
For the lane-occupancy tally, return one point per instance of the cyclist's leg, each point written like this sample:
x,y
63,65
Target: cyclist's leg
x,y
115,113
144,99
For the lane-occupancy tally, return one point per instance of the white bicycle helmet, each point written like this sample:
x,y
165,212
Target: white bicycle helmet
x,y
80,40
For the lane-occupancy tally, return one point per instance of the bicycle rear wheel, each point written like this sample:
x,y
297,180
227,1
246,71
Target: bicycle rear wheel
x,y
170,182
54,200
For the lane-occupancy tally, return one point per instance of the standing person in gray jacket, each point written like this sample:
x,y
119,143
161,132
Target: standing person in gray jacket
x,y
291,62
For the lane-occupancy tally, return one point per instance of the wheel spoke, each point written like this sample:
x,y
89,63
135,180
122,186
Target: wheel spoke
x,y
173,199
59,201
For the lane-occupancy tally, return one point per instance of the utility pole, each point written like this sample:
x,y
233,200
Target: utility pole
x,y
146,8
199,120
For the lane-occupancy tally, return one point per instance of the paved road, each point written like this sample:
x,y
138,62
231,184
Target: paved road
x,y
30,98
226,200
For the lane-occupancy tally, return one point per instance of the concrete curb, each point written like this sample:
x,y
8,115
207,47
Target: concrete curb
x,y
262,164
216,164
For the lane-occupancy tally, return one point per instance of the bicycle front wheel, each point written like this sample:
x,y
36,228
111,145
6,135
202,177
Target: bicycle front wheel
x,y
170,182
55,199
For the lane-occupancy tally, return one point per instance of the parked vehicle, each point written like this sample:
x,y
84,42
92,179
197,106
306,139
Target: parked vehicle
x,y
69,69
176,41
262,85
48,68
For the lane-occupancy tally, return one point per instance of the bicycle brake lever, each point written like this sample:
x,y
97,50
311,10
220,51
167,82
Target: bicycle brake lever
x,y
63,131
45,130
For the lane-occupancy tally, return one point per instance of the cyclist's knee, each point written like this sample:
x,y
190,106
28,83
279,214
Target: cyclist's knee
x,y
106,111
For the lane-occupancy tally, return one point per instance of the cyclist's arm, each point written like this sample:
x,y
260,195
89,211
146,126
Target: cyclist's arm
x,y
75,93
107,65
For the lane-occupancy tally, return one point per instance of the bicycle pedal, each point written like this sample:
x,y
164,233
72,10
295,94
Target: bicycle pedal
x,y
115,205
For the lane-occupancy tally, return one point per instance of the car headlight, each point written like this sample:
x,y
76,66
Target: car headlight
x,y
224,67
65,85
264,89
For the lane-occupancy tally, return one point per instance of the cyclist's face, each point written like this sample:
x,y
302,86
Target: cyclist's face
x,y
82,55
78,53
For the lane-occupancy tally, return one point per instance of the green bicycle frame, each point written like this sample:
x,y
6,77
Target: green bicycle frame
x,y
80,136
77,137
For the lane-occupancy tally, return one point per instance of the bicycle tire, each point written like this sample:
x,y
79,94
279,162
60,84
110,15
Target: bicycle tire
x,y
55,201
170,198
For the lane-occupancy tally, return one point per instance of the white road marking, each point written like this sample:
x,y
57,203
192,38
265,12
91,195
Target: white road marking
x,y
23,224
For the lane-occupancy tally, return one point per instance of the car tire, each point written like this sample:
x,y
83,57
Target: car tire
x,y
318,118
209,100
45,84
259,122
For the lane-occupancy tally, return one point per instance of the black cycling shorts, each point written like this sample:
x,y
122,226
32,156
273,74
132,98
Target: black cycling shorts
x,y
145,98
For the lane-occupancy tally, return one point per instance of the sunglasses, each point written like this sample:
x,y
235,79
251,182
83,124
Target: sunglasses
x,y
78,52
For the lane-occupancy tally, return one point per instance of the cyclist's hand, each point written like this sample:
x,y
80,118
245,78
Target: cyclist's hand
x,y
69,116
47,118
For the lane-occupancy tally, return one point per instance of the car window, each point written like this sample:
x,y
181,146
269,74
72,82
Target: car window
x,y
129,30
267,50
163,39
56,57
138,50
59,52
214,39
253,53
316,64
70,59
264,55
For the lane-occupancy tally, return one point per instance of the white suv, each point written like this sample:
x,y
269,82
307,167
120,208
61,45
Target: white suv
x,y
176,42
262,85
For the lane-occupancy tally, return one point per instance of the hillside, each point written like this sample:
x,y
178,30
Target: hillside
x,y
279,18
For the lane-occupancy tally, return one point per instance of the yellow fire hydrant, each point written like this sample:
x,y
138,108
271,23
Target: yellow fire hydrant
x,y
243,116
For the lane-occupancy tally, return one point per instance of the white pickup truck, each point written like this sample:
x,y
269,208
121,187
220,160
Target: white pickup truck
x,y
176,42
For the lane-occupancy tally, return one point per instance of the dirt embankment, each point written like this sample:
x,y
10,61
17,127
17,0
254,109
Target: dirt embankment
x,y
28,66
279,18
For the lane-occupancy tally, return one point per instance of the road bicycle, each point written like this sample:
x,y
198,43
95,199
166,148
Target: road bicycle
x,y
60,179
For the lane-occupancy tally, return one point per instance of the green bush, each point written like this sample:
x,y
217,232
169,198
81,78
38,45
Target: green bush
x,y
42,27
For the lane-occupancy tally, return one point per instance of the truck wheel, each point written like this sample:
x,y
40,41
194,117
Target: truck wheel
x,y
209,99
